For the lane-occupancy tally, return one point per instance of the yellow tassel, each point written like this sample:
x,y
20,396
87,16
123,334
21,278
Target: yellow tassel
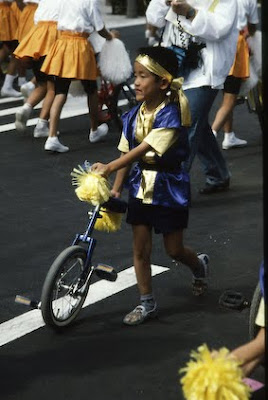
x,y
213,377
91,187
110,221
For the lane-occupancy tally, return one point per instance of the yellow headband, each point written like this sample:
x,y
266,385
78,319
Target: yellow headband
x,y
176,86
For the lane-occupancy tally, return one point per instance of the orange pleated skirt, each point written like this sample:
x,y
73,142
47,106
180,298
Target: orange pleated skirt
x,y
16,10
240,67
26,20
8,23
72,56
38,42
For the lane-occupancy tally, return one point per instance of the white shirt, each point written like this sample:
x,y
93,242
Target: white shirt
x,y
80,16
215,24
247,12
47,10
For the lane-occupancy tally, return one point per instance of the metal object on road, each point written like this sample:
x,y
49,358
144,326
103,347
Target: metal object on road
x,y
233,300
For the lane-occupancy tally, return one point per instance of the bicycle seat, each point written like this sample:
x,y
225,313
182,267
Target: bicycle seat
x,y
233,300
115,205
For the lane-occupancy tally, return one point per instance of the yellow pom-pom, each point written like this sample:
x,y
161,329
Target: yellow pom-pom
x,y
92,187
109,221
213,377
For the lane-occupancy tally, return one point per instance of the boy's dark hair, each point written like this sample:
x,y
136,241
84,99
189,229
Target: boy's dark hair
x,y
163,56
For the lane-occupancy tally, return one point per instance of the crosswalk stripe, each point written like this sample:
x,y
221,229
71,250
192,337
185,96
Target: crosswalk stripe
x,y
67,112
10,99
32,320
10,111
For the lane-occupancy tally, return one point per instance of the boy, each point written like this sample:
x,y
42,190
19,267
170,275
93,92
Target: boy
x,y
159,188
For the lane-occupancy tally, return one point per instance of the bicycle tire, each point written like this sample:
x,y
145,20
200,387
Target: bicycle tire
x,y
61,281
255,303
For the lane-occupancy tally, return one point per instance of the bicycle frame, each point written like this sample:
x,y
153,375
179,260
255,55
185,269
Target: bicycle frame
x,y
89,241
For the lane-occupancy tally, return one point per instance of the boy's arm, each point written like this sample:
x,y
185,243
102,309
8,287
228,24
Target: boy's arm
x,y
251,353
124,160
119,180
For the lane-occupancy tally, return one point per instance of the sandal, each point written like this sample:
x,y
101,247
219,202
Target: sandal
x,y
200,284
139,315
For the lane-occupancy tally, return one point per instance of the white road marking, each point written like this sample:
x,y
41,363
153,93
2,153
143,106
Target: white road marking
x,y
71,109
32,320
4,100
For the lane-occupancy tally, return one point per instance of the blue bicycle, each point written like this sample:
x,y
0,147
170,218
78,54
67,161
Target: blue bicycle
x,y
68,280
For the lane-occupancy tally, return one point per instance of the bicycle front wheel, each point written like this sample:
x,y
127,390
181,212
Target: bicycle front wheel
x,y
65,288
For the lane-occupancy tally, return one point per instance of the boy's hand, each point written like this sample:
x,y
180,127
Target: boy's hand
x,y
115,193
101,169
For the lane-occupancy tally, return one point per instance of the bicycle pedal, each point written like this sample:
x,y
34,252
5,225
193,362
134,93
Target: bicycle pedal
x,y
233,300
27,302
106,272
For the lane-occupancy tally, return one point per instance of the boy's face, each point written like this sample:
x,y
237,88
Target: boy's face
x,y
147,87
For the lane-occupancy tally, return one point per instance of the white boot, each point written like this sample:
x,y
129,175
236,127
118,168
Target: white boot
x,y
22,117
100,133
7,88
41,129
230,140
53,144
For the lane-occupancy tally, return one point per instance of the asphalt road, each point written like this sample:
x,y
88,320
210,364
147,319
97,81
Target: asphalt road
x,y
98,357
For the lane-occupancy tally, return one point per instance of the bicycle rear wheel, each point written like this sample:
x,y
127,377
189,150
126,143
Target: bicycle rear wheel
x,y
255,303
65,288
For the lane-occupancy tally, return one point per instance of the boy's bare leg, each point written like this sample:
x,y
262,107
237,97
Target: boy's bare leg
x,y
198,263
142,248
177,251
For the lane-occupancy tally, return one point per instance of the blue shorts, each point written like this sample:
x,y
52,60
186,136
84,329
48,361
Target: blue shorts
x,y
162,219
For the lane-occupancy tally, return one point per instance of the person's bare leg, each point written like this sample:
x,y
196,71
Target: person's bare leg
x,y
177,251
12,66
223,113
142,248
48,101
197,263
230,139
37,94
228,125
55,112
52,142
